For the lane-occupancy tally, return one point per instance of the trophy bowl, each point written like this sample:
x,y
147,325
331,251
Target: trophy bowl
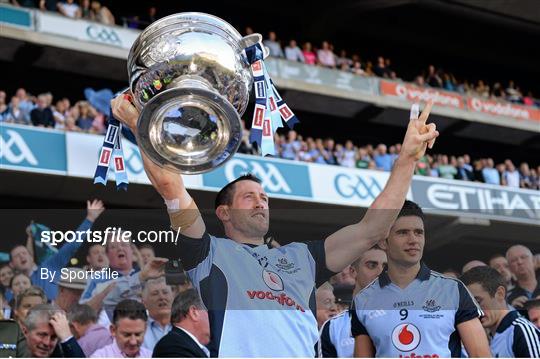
x,y
191,82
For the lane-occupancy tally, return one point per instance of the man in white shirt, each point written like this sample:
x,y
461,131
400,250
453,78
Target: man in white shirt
x,y
190,331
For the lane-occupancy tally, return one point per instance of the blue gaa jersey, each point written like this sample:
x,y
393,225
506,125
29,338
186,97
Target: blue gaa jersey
x,y
336,340
261,300
515,337
418,321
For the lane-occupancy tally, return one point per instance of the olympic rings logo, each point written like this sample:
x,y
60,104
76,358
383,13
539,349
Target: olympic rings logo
x,y
101,34
355,186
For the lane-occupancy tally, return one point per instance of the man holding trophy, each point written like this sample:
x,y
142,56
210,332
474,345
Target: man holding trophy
x,y
190,80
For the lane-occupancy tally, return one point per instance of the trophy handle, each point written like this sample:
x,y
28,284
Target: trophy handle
x,y
251,40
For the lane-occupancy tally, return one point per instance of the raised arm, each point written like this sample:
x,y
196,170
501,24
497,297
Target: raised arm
x,y
169,185
347,244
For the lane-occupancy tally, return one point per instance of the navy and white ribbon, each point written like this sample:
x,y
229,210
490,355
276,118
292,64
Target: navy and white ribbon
x,y
270,109
112,150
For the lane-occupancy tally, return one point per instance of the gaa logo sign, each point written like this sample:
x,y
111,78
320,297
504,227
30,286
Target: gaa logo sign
x,y
406,337
103,34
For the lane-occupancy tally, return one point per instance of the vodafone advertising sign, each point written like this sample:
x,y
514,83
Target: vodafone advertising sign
x,y
416,94
496,108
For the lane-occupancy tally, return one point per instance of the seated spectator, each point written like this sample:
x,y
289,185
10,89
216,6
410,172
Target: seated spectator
x,y
326,303
472,264
26,300
382,159
290,148
310,58
6,273
48,5
511,175
86,118
348,155
127,328
293,52
449,82
380,68
25,105
520,260
500,264
343,61
446,170
86,10
90,335
69,9
369,69
42,115
273,45
69,292
357,69
14,114
151,16
19,283
463,173
490,174
526,179
191,329
433,79
533,311
325,56
147,253
329,149
96,257
512,336
21,260
3,105
128,284
48,335
362,158
157,297
59,115
101,13
512,93
419,81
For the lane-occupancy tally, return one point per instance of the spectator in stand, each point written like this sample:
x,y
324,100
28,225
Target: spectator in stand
x,y
310,58
273,45
157,297
248,30
59,115
6,273
497,91
380,68
329,148
446,170
290,148
69,291
512,93
357,69
86,11
325,56
85,119
463,173
433,79
348,155
150,17
90,335
48,335
536,176
128,328
14,114
419,81
96,258
482,89
69,9
343,61
383,160
472,264
449,82
529,99
19,283
533,311
48,5
101,13
42,115
3,105
26,300
500,264
526,179
520,260
511,175
191,329
326,303
293,52
21,260
490,174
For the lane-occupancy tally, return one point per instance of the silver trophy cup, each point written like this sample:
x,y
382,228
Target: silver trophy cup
x,y
191,81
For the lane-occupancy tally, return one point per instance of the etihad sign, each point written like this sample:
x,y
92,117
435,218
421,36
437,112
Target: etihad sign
x,y
503,109
415,94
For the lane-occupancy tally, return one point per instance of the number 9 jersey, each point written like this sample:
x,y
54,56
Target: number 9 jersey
x,y
417,321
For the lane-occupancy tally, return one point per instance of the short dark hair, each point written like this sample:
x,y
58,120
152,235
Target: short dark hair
x,y
487,277
225,196
82,314
410,208
15,247
183,301
131,309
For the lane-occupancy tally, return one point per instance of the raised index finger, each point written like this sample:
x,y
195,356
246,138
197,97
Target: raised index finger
x,y
425,114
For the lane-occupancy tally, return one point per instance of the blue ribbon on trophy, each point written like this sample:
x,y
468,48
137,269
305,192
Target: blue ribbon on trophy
x,y
270,109
111,149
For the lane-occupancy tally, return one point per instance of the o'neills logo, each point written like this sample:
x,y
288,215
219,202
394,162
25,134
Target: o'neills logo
x,y
498,109
281,298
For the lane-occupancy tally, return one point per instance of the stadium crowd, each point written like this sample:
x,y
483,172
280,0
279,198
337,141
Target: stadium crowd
x,y
69,317
24,108
324,55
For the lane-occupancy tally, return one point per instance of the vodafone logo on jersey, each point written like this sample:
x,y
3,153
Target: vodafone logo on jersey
x,y
406,337
272,280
